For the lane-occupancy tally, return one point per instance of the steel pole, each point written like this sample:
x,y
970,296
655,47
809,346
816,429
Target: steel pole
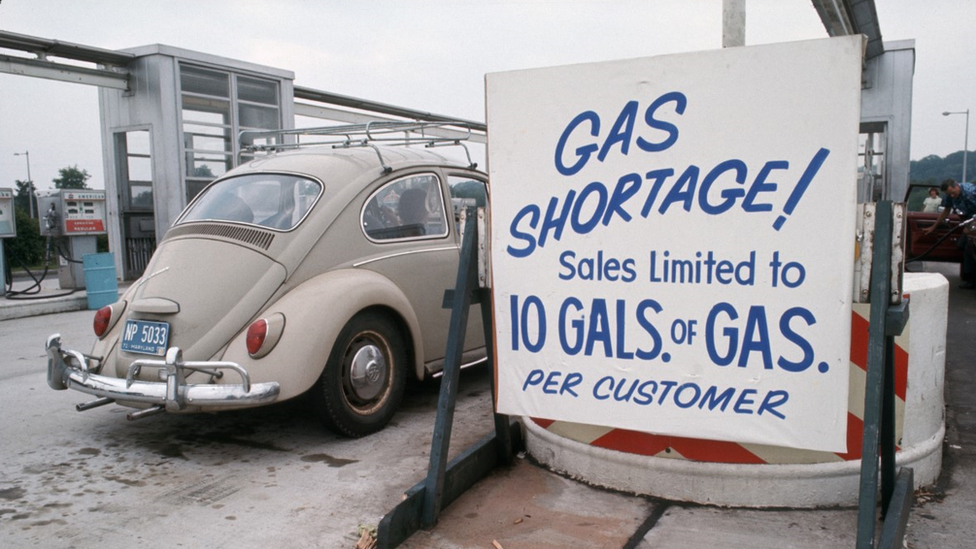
x,y
965,145
965,148
30,184
733,23
3,273
30,187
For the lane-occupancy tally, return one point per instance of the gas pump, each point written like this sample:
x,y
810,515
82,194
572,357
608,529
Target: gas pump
x,y
8,229
78,215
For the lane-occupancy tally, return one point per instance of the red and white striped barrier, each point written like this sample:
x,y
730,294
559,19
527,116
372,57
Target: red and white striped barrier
x,y
665,465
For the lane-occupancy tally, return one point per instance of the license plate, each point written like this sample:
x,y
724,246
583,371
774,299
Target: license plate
x,y
145,337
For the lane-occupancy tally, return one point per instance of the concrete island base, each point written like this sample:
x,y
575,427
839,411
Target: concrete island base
x,y
804,483
728,485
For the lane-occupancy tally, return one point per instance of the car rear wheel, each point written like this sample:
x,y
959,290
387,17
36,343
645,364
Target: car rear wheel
x,y
364,378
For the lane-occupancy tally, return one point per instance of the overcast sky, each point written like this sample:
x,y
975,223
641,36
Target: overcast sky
x,y
433,55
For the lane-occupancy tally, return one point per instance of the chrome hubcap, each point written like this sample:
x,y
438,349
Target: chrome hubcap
x,y
368,372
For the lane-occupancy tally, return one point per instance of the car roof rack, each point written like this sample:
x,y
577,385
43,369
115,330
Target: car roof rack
x,y
392,133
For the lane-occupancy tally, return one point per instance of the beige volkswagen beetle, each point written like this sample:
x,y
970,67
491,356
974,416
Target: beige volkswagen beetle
x,y
316,271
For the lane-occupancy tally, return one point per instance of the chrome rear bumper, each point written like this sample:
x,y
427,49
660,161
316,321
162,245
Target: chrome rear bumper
x,y
67,369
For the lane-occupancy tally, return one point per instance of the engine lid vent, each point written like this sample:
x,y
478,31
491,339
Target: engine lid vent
x,y
253,237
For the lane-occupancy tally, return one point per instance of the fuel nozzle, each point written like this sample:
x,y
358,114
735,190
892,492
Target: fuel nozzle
x,y
51,219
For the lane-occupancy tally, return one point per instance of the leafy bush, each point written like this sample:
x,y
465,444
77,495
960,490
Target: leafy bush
x,y
27,248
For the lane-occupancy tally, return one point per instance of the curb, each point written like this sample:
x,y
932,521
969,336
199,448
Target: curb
x,y
20,308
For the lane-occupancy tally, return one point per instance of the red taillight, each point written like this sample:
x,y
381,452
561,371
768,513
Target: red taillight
x,y
256,333
102,318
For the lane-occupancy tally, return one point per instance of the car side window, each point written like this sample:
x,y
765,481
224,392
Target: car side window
x,y
408,208
466,193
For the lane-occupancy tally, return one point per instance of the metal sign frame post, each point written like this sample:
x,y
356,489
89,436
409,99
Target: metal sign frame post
x,y
445,482
887,321
3,272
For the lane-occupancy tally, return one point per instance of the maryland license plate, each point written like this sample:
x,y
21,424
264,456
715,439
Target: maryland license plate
x,y
145,337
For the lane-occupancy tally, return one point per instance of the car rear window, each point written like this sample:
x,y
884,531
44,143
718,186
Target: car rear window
x,y
275,201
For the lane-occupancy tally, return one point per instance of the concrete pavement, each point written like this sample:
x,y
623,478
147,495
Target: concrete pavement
x,y
200,476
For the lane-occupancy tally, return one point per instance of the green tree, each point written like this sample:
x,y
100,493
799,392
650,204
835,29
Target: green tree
x,y
204,171
72,178
27,248
25,189
933,169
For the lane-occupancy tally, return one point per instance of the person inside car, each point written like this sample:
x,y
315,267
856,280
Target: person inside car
x,y
932,201
413,212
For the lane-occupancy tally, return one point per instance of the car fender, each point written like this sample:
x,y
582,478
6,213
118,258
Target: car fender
x,y
315,312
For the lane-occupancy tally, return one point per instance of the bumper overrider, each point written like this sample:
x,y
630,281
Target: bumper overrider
x,y
68,369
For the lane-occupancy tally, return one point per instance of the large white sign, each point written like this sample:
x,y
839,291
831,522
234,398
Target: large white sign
x,y
673,241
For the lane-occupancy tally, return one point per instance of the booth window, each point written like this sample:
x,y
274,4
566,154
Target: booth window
x,y
257,105
138,170
216,106
872,176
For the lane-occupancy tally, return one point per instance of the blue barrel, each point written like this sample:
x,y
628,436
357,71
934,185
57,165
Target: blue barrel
x,y
100,282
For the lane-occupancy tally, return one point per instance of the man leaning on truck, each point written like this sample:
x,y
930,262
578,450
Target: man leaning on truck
x,y
961,197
